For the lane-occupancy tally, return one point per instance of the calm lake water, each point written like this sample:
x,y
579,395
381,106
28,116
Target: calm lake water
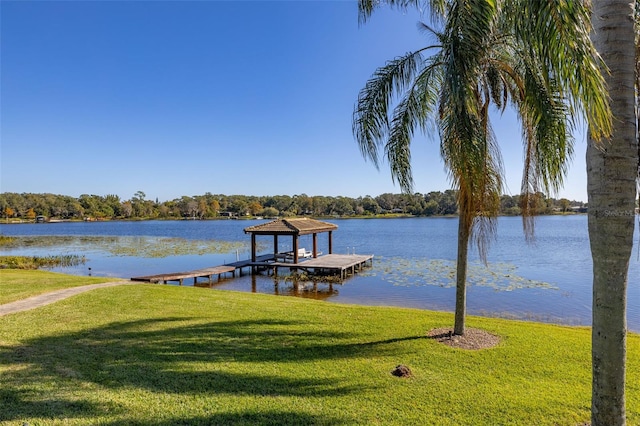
x,y
414,263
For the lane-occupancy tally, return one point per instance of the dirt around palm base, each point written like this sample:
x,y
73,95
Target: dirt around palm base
x,y
473,338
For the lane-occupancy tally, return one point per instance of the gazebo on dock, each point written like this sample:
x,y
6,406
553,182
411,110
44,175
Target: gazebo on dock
x,y
293,227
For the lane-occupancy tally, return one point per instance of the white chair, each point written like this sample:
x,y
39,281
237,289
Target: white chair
x,y
303,253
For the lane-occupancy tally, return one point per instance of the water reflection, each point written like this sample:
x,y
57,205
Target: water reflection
x,y
281,285
314,289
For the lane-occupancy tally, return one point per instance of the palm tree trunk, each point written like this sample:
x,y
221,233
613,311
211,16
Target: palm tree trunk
x,y
461,274
611,174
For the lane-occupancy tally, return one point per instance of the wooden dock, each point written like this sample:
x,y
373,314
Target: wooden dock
x,y
337,264
329,264
181,276
241,264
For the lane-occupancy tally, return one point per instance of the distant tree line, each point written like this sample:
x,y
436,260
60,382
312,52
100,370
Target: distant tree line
x,y
27,206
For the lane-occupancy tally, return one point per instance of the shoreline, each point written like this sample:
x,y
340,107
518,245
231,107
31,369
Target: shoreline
x,y
379,216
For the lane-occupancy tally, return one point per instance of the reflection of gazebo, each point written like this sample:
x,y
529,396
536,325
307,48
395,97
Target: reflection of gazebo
x,y
293,227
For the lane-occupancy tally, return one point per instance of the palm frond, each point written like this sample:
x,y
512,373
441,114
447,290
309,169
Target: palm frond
x,y
398,147
547,135
553,128
371,113
366,8
413,111
473,161
487,195
557,32
429,31
496,88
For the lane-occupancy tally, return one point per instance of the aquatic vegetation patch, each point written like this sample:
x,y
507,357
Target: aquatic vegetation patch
x,y
43,241
6,240
163,247
36,262
150,247
442,273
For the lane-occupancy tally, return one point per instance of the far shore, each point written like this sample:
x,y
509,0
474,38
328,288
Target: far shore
x,y
378,216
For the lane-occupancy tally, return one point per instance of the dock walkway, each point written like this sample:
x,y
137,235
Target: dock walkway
x,y
181,276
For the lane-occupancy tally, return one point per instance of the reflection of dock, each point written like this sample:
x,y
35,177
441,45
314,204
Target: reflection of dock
x,y
306,287
331,264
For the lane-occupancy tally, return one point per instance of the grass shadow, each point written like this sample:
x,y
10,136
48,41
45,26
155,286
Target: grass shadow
x,y
249,418
19,404
179,356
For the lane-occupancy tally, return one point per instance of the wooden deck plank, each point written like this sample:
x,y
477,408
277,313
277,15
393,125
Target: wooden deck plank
x,y
176,276
248,262
218,269
336,261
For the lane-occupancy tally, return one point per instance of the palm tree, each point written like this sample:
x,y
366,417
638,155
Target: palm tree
x,y
612,172
484,56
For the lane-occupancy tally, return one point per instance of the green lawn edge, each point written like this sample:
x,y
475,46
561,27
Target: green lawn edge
x,y
17,284
164,355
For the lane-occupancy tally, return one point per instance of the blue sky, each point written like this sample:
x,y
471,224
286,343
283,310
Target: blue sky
x,y
182,98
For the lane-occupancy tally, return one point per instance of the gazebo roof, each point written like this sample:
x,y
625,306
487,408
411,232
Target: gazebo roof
x,y
291,226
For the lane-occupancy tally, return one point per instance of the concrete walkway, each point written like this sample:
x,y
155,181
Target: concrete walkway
x,y
53,296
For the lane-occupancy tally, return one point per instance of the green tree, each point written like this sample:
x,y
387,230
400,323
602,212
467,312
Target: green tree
x,y
239,206
387,201
306,204
320,205
114,204
431,208
269,212
370,205
91,204
484,54
341,206
139,204
612,172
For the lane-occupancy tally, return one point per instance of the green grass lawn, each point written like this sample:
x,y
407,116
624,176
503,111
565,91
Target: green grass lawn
x,y
16,284
166,355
